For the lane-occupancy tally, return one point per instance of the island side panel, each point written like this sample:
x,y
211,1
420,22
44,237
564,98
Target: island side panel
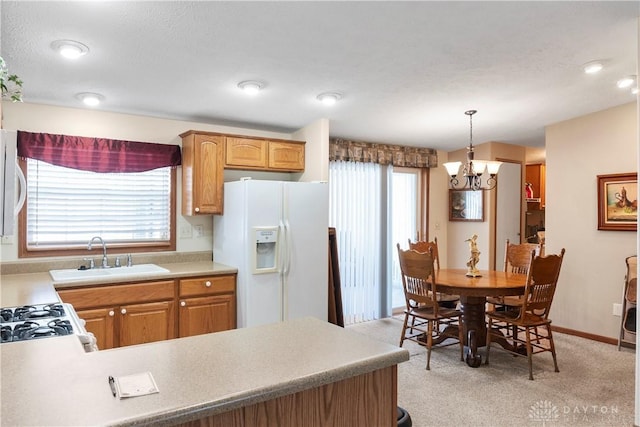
x,y
368,399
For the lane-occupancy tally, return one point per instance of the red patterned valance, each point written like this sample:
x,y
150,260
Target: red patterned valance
x,y
384,154
97,154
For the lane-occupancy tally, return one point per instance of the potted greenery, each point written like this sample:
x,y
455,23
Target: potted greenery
x,y
10,84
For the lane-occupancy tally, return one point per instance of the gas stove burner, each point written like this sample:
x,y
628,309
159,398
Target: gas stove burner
x,y
33,330
6,334
6,314
38,312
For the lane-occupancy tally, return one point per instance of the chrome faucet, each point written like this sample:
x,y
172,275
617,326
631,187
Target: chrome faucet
x,y
105,262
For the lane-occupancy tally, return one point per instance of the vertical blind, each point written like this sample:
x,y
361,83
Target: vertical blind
x,y
354,201
69,206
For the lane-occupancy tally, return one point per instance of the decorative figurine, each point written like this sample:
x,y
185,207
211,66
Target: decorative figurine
x,y
475,257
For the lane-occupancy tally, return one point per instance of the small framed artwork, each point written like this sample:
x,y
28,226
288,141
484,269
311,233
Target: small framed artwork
x,y
617,202
466,205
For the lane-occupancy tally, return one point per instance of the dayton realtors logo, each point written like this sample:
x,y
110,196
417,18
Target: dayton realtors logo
x,y
546,412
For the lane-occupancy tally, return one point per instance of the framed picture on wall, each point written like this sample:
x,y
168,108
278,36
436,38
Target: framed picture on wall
x,y
466,205
617,202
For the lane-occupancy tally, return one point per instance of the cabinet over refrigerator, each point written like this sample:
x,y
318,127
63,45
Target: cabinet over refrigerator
x,y
276,234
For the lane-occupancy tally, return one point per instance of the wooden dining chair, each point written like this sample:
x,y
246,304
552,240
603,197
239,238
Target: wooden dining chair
x,y
424,319
424,246
531,318
445,300
517,258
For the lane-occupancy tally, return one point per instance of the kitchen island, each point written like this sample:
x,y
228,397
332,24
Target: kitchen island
x,y
301,372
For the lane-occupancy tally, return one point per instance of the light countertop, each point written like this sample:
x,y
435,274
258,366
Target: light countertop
x,y
53,382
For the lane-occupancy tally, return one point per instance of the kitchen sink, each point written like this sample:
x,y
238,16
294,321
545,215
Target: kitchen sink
x,y
71,274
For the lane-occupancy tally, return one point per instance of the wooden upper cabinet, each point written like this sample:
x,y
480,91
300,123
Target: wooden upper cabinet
x,y
202,173
536,175
245,152
264,154
286,156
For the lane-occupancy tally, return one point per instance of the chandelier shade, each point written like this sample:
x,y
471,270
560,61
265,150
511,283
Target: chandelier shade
x,y
474,169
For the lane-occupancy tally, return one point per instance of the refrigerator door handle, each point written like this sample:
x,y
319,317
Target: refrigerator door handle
x,y
287,260
281,248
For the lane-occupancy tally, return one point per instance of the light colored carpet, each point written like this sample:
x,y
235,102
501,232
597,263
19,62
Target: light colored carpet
x,y
595,385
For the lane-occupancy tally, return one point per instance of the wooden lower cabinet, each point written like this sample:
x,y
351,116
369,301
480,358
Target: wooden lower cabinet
x,y
148,322
203,315
137,313
125,314
207,304
100,322
130,324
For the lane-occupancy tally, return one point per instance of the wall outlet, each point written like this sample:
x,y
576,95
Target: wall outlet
x,y
185,231
617,309
198,231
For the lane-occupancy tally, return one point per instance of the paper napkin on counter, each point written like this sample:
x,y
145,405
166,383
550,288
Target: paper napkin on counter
x,y
135,385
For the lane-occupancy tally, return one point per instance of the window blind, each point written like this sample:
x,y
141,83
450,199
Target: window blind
x,y
69,206
354,203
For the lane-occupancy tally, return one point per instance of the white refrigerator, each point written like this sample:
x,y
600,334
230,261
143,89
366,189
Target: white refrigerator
x,y
276,234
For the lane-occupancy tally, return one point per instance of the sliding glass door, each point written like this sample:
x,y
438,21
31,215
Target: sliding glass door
x,y
373,208
404,223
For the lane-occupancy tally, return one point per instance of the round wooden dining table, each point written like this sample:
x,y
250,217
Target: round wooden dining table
x,y
473,293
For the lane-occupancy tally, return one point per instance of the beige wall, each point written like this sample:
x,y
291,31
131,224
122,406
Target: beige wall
x,y
591,279
87,122
438,207
457,232
456,248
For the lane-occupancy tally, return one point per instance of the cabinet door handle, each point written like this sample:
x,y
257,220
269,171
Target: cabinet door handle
x,y
123,311
207,283
197,209
183,304
112,313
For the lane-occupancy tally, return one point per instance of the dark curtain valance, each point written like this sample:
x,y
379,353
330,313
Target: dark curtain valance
x,y
384,154
97,154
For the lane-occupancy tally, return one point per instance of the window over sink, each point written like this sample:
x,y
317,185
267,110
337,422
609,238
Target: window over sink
x,y
79,187
66,207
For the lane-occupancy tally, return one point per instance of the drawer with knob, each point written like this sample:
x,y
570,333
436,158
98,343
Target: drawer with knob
x,y
210,285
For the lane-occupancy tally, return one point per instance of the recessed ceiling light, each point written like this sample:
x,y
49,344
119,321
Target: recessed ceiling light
x,y
329,98
90,99
592,67
69,48
626,82
251,87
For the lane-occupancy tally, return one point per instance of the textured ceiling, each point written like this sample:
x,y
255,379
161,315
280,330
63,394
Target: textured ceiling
x,y
407,70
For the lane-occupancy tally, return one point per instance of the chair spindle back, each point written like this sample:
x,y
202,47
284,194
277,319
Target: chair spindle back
x,y
542,280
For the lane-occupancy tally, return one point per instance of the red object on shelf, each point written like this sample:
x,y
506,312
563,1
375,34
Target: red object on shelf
x,y
529,190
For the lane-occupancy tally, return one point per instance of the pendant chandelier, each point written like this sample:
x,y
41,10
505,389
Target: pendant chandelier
x,y
474,169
